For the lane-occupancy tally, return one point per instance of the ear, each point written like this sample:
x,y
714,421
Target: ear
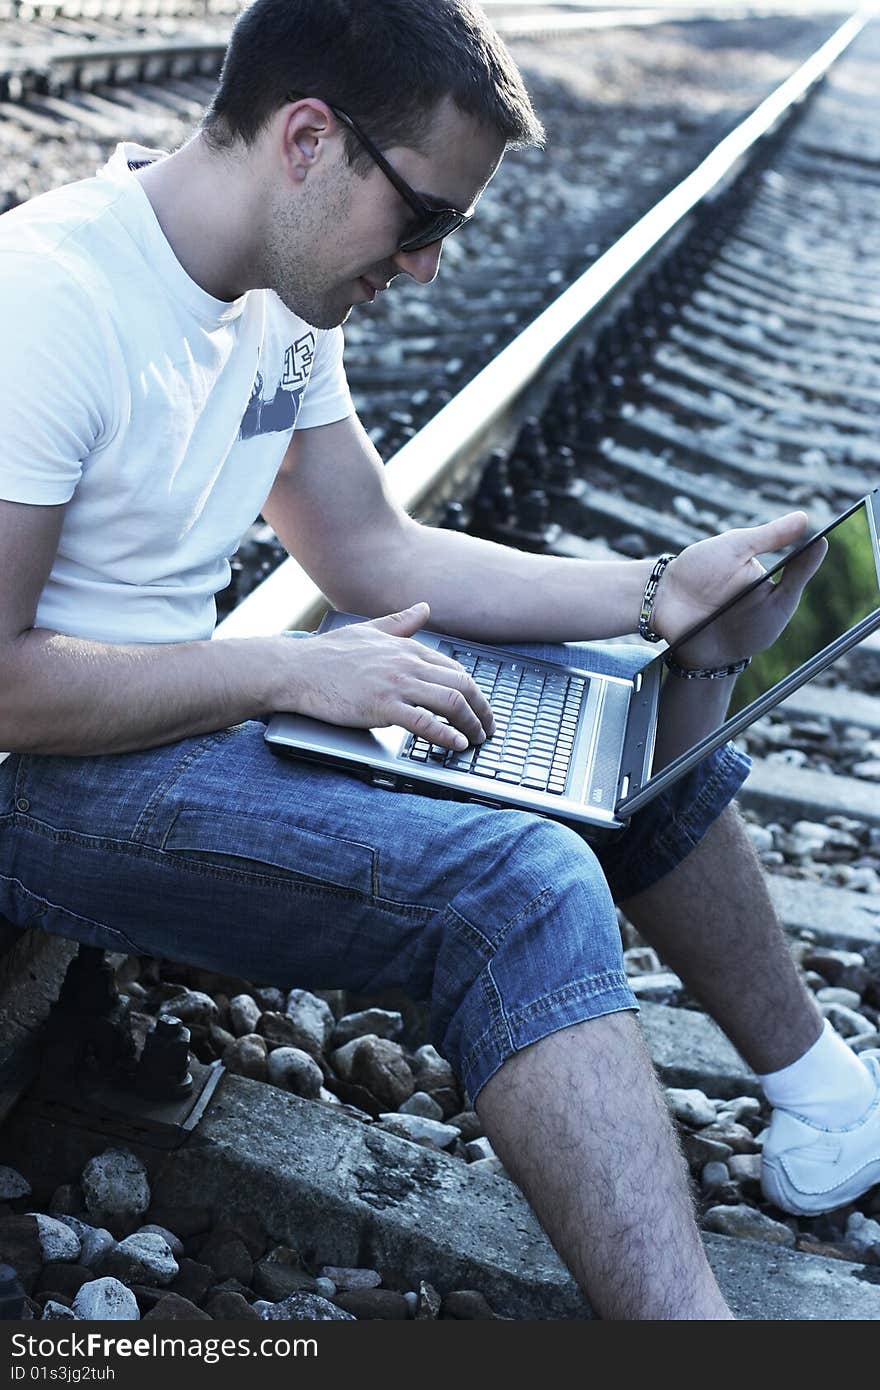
x,y
306,126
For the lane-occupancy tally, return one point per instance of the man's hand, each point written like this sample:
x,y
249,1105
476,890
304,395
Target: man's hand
x,y
370,675
710,573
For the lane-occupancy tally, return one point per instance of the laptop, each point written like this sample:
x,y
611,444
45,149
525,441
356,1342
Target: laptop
x,y
578,745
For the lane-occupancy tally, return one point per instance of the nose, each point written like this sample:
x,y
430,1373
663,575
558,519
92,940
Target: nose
x,y
421,265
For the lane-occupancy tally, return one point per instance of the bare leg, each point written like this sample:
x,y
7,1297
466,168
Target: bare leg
x,y
712,921
599,1161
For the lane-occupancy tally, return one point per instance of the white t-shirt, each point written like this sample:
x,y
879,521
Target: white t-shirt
x,y
159,414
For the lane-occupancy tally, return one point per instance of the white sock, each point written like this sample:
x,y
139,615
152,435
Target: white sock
x,y
828,1085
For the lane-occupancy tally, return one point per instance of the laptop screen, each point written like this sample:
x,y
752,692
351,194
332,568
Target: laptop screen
x,y
827,589
841,592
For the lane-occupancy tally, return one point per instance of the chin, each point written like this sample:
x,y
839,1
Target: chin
x,y
316,315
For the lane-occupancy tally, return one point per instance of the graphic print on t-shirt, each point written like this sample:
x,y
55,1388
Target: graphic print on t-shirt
x,y
279,413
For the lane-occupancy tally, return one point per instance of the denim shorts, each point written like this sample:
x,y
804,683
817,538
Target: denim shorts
x,y
217,852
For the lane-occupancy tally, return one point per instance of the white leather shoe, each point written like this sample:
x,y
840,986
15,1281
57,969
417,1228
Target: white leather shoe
x,y
806,1169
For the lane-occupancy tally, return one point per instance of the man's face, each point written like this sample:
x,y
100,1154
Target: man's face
x,y
337,247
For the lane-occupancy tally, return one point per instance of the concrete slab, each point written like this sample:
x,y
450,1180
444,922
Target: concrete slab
x,y
344,1192
32,966
840,706
839,918
689,1049
781,792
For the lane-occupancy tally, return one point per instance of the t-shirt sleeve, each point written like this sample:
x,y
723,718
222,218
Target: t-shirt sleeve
x,y
327,397
53,376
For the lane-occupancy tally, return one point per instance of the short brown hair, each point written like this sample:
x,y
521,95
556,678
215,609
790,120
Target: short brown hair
x,y
387,63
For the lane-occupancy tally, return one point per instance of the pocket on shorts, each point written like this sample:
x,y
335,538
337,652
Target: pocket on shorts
x,y
245,845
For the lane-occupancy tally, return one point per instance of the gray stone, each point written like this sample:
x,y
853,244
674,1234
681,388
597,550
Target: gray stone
x,y
57,1240
12,1184
379,1065
691,1106
270,999
420,1130
278,1029
865,1042
432,1072
228,1255
325,1287
479,1148
194,1007
220,1038
748,1221
382,1022
641,960
467,1304
835,994
144,1258
420,1103
95,1244
740,1139
244,1014
660,986
491,1167
738,1109
355,1278
335,999
761,838
173,1307
869,770
313,1019
698,1150
846,1022
813,830
862,1233
307,1307
745,1168
386,1304
227,1306
247,1056
95,1241
296,1071
470,1124
174,1243
106,1300
53,1311
275,1281
714,1175
115,1184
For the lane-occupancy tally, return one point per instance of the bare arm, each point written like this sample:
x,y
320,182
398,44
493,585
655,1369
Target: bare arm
x,y
333,511
61,694
67,695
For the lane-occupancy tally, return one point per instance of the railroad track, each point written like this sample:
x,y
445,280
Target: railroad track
x,y
721,359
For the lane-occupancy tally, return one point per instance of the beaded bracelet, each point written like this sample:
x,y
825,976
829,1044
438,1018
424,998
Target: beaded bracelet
x,y
647,609
705,673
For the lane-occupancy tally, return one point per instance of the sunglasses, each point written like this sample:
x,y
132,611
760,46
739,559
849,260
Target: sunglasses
x,y
432,222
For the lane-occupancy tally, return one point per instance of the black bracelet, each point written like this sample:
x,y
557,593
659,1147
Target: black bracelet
x,y
647,609
705,673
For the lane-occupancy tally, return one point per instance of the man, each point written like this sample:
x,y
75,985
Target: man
x,y
165,325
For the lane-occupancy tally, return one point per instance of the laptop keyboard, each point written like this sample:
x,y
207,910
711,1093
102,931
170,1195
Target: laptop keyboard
x,y
536,718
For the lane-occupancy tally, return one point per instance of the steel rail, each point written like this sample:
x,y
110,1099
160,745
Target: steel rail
x,y
449,444
37,62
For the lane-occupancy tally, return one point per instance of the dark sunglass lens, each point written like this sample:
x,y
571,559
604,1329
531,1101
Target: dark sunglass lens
x,y
432,229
